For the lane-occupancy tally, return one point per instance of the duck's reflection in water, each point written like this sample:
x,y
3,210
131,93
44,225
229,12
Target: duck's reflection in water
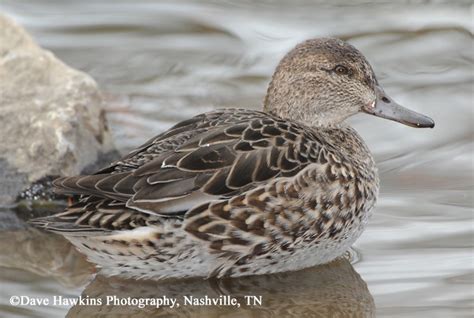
x,y
333,290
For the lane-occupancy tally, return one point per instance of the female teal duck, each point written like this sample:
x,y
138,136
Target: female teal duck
x,y
238,192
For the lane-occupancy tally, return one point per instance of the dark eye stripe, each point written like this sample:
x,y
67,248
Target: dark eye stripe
x,y
340,70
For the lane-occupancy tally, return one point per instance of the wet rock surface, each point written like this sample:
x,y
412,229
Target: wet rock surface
x,y
51,115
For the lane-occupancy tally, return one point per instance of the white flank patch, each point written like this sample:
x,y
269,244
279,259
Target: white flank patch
x,y
137,234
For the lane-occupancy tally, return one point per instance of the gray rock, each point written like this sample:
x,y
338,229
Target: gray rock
x,y
52,121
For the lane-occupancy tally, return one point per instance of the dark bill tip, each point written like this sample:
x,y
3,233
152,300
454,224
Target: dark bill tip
x,y
385,107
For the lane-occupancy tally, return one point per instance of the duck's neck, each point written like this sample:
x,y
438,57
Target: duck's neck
x,y
314,112
304,114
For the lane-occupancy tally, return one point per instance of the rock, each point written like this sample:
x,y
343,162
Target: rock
x,y
52,117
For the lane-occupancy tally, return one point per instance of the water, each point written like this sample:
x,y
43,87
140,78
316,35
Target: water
x,y
160,62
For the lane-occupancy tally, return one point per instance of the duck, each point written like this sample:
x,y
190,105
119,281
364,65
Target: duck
x,y
236,192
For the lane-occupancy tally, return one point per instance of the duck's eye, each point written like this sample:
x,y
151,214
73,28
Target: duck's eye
x,y
341,70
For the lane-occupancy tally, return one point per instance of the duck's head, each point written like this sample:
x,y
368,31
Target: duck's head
x,y
321,82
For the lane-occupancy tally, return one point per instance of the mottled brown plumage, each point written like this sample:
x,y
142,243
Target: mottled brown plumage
x,y
240,192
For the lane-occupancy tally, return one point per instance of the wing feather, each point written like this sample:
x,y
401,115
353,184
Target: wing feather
x,y
213,156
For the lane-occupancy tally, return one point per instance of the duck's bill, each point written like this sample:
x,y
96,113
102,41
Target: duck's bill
x,y
385,107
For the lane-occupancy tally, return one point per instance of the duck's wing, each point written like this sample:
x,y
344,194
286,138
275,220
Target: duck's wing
x,y
213,156
204,161
180,134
